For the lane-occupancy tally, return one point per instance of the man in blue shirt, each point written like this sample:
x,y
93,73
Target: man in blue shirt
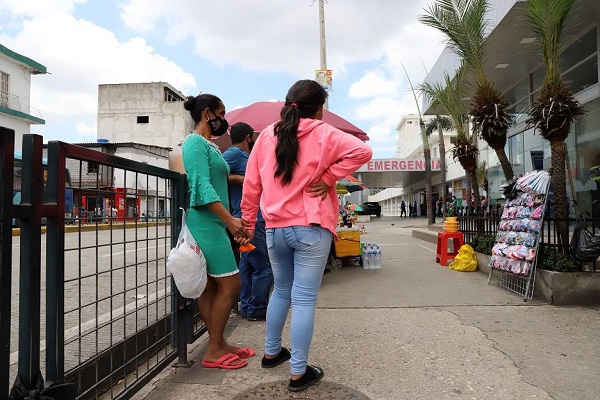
x,y
255,268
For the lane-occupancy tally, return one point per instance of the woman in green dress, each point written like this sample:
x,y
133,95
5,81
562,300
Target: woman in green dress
x,y
208,220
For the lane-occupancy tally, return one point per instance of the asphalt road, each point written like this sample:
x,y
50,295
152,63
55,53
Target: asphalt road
x,y
115,284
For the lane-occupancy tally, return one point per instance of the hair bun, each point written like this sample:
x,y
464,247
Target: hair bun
x,y
189,103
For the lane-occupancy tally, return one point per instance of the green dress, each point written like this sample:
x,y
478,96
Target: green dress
x,y
207,174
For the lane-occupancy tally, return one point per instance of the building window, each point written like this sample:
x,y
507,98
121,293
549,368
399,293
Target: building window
x,y
4,89
143,119
170,95
92,168
453,140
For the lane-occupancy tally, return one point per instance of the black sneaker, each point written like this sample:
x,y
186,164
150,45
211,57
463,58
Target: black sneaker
x,y
259,317
311,376
283,356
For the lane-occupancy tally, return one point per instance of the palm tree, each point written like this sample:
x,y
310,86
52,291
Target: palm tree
x,y
482,178
441,123
555,110
449,96
426,156
428,174
464,25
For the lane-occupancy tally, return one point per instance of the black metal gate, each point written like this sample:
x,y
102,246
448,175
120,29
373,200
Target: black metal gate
x,y
98,314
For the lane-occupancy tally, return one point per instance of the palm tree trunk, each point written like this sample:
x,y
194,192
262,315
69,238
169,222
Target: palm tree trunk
x,y
427,156
472,173
505,163
442,147
559,188
428,188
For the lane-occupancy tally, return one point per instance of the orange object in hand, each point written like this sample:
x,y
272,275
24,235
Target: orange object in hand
x,y
247,247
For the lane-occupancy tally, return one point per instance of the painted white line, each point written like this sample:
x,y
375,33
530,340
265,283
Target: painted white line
x,y
92,323
427,248
131,251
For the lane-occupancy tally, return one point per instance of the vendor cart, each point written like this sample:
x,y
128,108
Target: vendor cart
x,y
347,246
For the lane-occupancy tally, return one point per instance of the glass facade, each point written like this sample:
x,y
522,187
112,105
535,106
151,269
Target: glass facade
x,y
528,151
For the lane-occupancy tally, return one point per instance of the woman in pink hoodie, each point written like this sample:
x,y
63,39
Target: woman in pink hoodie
x,y
292,172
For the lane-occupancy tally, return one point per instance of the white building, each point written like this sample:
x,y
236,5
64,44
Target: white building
x,y
515,65
15,88
147,113
410,186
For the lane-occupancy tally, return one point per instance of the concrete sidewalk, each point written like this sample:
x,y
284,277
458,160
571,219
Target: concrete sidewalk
x,y
414,330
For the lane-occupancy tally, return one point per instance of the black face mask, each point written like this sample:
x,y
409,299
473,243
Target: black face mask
x,y
218,126
250,146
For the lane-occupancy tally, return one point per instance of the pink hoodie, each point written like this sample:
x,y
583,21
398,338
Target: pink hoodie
x,y
324,153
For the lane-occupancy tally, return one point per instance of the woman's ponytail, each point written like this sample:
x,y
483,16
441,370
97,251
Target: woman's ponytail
x,y
286,152
303,100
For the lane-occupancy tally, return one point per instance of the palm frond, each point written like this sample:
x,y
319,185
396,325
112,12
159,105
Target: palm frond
x,y
442,122
555,110
464,25
449,96
546,20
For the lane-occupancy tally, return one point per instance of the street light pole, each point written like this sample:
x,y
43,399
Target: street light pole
x,y
323,47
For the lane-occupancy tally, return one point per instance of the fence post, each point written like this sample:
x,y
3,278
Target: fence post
x,y
32,185
7,143
182,309
55,266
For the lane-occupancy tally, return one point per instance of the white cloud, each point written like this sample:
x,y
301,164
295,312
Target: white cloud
x,y
271,35
86,56
373,84
262,35
39,8
87,132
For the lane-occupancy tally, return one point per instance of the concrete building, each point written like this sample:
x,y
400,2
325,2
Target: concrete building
x,y
133,195
515,65
409,186
15,88
148,113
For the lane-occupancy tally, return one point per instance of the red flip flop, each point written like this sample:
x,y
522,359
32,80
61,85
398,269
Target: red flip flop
x,y
224,362
244,352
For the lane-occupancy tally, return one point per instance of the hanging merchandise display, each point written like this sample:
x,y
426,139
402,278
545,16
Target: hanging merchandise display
x,y
517,242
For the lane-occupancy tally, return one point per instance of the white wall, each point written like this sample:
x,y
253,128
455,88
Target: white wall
x,y
120,105
19,95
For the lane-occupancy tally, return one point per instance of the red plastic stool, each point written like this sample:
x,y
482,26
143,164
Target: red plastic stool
x,y
442,256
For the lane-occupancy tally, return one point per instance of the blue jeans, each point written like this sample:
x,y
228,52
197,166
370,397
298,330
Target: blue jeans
x,y
256,276
298,256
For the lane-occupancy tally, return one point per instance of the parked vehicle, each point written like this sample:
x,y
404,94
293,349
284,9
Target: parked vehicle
x,y
372,208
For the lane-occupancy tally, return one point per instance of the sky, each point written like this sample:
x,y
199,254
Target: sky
x,y
243,51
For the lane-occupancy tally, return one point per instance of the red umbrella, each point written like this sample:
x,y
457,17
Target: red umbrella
x,y
263,113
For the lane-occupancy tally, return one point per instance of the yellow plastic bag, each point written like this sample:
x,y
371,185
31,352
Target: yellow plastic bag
x,y
465,260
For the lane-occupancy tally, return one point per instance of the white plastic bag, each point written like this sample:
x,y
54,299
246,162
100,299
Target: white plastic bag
x,y
187,264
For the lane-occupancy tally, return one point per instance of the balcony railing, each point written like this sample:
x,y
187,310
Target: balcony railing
x,y
13,102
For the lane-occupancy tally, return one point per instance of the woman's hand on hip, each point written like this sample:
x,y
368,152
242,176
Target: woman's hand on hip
x,y
318,189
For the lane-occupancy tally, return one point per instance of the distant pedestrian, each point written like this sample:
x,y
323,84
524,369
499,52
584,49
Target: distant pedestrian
x,y
402,209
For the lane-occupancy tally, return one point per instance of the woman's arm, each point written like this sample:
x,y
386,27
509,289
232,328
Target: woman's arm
x,y
235,179
350,155
235,225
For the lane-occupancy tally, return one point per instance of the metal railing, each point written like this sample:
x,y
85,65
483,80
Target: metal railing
x,y
476,222
7,138
97,310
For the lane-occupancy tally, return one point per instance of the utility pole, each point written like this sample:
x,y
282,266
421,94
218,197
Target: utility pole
x,y
323,47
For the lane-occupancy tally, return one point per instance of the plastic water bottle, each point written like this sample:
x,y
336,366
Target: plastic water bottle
x,y
376,256
367,256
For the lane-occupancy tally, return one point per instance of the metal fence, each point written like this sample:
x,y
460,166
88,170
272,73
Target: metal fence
x,y
477,222
97,311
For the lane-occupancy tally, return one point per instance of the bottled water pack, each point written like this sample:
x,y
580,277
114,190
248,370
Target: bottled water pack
x,y
372,256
